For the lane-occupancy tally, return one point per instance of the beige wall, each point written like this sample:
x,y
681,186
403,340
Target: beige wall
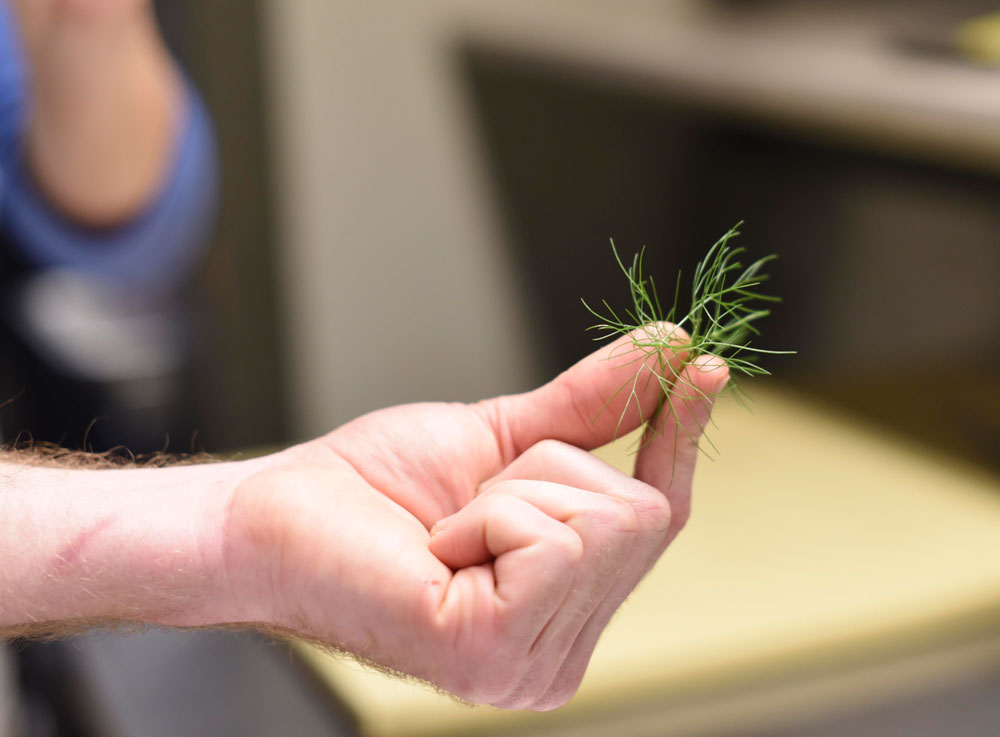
x,y
394,280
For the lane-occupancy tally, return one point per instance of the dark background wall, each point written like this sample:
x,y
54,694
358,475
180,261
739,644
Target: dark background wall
x,y
238,370
887,264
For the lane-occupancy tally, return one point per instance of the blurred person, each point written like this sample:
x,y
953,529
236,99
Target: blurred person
x,y
479,547
107,188
107,191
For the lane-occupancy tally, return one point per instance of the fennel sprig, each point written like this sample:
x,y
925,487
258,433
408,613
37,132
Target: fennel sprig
x,y
726,303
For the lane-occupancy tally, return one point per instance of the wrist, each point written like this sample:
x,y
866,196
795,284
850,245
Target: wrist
x,y
176,547
132,545
254,542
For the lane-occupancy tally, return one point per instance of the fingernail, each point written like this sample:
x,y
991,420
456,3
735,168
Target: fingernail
x,y
441,525
708,364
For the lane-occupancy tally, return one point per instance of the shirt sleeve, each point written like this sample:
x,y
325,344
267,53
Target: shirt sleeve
x,y
155,250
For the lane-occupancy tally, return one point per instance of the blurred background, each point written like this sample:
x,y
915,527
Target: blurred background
x,y
415,196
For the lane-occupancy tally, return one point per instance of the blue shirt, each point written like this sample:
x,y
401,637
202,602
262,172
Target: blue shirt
x,y
154,251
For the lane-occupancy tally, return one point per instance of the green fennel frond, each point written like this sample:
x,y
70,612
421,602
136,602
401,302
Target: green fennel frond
x,y
726,303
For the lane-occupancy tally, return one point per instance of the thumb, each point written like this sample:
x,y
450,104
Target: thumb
x,y
603,396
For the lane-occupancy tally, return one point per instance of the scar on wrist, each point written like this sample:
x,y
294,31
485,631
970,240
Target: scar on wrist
x,y
73,551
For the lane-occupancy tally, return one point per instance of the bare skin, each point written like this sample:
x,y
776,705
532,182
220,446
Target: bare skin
x,y
105,100
479,547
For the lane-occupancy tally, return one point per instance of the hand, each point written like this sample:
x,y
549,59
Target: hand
x,y
479,547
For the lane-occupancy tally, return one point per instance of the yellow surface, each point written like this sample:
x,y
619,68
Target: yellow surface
x,y
814,541
979,39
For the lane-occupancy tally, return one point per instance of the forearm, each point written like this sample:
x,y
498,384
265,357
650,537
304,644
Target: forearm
x,y
115,546
104,107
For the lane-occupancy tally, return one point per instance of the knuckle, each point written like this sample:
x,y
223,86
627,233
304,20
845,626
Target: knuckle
x,y
497,414
568,544
616,515
687,451
655,510
501,508
485,689
475,665
497,502
518,699
547,446
502,502
559,693
495,684
550,451
681,515
578,401
550,702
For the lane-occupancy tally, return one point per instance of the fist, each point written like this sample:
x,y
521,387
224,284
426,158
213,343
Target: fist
x,y
479,547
